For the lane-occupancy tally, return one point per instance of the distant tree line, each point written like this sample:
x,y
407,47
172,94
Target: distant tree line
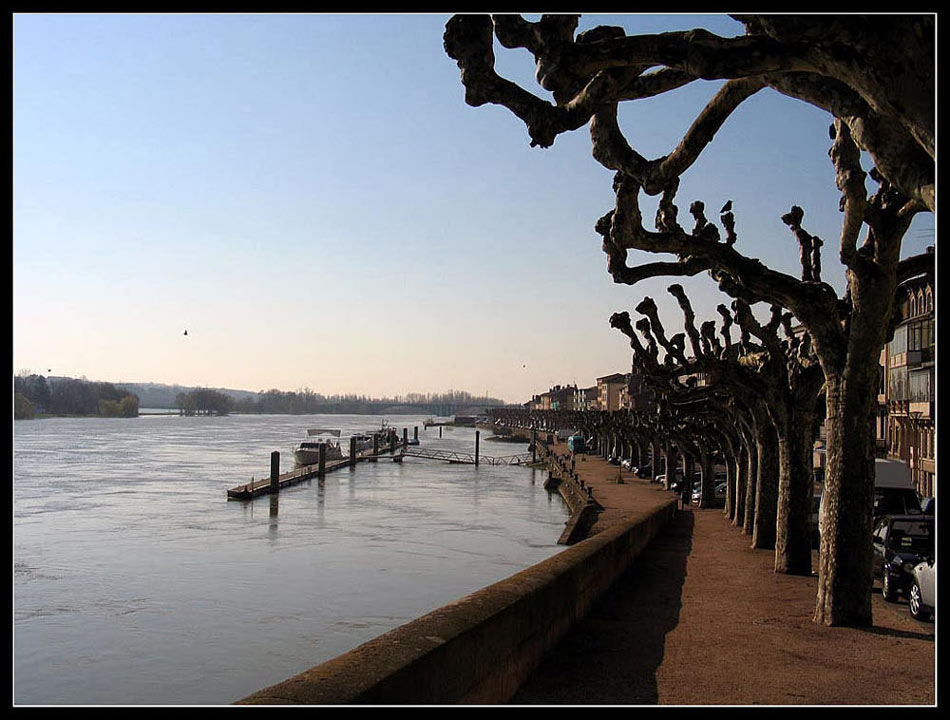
x,y
305,401
204,401
35,395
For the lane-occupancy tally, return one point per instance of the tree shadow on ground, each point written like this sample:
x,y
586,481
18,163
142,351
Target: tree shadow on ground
x,y
892,632
612,655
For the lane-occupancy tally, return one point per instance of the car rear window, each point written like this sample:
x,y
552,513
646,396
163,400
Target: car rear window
x,y
893,501
911,536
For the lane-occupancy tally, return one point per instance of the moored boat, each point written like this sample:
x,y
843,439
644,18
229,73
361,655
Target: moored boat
x,y
307,451
364,441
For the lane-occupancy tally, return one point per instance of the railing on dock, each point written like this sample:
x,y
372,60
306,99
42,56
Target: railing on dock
x,y
467,458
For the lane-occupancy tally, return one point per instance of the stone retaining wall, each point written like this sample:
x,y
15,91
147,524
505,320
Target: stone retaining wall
x,y
480,648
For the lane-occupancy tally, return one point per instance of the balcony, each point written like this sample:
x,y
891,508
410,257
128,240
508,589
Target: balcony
x,y
911,358
921,410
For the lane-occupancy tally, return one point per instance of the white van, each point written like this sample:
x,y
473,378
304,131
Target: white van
x,y
894,492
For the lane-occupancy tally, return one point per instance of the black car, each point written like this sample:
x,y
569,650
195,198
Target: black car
x,y
900,542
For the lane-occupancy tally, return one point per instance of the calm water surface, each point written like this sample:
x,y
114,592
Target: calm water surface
x,y
137,582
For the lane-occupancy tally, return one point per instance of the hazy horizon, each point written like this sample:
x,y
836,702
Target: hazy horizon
x,y
310,197
395,397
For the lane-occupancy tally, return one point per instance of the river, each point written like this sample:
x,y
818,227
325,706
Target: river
x,y
137,582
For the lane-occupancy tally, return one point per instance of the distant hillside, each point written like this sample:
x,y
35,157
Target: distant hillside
x,y
157,395
160,396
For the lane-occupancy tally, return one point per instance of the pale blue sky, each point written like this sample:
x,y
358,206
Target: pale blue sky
x,y
310,196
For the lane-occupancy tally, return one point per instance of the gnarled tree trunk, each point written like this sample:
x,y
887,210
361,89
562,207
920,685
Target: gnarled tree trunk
x,y
796,483
766,486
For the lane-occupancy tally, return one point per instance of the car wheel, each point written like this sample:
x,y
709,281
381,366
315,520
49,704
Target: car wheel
x,y
917,609
887,588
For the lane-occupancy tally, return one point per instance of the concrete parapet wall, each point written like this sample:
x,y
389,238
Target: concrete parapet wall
x,y
480,648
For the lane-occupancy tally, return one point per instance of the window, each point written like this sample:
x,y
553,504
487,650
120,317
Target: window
x,y
899,344
898,386
919,386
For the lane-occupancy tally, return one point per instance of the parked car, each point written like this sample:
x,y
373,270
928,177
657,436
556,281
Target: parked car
x,y
813,532
920,598
900,542
720,491
894,492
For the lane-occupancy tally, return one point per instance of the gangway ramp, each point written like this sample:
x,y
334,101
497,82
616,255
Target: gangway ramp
x,y
452,456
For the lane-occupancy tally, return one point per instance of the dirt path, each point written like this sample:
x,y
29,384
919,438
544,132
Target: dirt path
x,y
701,619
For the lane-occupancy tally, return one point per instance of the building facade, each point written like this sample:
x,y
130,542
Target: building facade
x,y
609,388
906,400
586,398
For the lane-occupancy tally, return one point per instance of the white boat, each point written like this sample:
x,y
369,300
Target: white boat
x,y
308,451
364,441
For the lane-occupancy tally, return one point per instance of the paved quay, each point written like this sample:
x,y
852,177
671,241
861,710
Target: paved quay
x,y
700,618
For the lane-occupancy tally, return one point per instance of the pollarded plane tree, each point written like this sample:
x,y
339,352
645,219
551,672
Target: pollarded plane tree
x,y
730,381
709,419
874,75
786,376
721,436
636,436
738,427
691,431
636,429
623,431
724,440
792,384
848,336
741,512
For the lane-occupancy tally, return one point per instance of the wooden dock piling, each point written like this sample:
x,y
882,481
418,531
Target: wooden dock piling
x,y
275,472
477,433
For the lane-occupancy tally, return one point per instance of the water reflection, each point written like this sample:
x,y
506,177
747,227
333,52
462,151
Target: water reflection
x,y
272,525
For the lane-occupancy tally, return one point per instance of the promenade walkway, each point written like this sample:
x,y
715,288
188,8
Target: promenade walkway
x,y
701,619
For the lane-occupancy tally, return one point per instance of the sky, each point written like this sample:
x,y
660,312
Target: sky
x,y
310,197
